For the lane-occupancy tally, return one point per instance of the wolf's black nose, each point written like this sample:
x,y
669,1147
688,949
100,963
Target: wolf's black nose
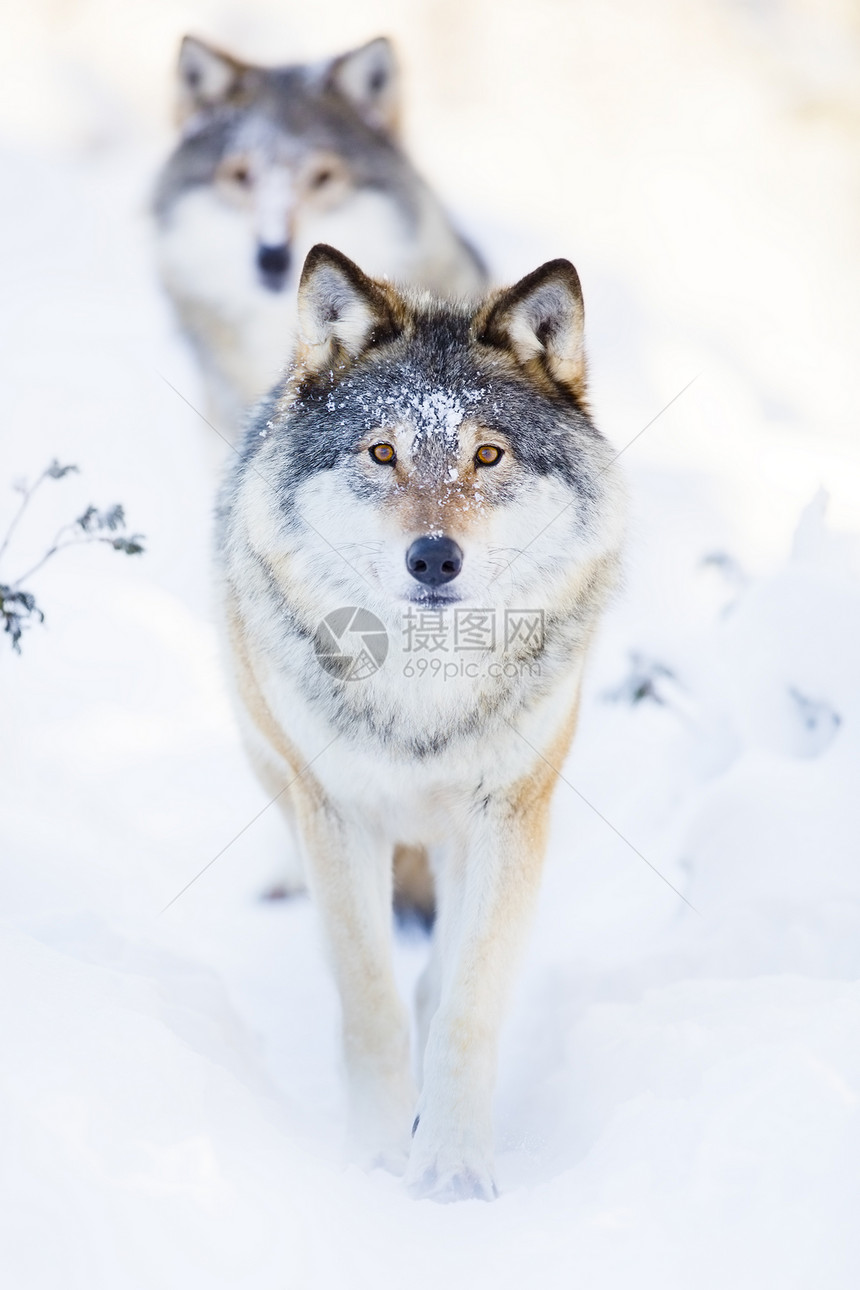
x,y
434,560
273,263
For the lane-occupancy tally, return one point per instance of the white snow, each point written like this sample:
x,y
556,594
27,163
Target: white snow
x,y
679,1076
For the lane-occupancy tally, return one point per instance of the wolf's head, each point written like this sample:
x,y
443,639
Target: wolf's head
x,y
428,454
273,159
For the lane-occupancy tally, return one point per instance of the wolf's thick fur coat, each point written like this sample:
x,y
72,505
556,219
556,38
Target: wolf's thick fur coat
x,y
315,518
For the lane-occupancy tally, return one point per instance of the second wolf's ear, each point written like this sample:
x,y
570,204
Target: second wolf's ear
x,y
342,312
542,320
368,78
207,77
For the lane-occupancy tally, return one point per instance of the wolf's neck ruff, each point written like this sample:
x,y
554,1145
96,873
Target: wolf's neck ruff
x,y
415,546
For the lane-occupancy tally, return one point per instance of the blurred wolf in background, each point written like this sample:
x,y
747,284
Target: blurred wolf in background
x,y
426,466
271,161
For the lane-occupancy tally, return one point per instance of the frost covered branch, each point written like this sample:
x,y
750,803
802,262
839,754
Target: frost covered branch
x,y
18,608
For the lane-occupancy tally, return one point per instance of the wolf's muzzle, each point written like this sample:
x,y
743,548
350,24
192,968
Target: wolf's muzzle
x,y
273,264
434,560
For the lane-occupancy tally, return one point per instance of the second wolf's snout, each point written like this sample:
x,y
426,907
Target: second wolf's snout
x,y
273,263
434,560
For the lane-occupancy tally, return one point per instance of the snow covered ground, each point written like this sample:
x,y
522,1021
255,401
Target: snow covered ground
x,y
679,1078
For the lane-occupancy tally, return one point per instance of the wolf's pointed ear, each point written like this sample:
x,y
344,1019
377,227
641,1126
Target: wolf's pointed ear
x,y
541,320
368,79
342,312
207,76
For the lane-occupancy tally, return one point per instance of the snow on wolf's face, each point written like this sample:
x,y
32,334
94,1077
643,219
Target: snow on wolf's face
x,y
434,501
428,455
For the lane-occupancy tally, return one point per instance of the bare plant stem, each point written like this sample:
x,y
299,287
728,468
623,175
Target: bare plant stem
x,y
28,495
56,546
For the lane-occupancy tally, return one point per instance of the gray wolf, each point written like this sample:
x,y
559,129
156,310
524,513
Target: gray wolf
x,y
432,459
269,162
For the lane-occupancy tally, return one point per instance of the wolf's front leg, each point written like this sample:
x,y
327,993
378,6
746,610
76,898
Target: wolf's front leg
x,y
486,896
350,876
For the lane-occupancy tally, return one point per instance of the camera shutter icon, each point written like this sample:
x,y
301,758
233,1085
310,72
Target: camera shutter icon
x,y
351,643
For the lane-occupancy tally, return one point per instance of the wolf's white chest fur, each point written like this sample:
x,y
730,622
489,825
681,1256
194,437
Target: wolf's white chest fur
x,y
413,799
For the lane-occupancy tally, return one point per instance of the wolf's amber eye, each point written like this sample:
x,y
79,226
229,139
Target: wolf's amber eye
x,y
238,172
488,455
321,178
383,453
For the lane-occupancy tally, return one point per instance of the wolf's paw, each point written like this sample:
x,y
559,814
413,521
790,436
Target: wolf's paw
x,y
392,1159
445,1172
451,1185
282,891
378,1151
379,1122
